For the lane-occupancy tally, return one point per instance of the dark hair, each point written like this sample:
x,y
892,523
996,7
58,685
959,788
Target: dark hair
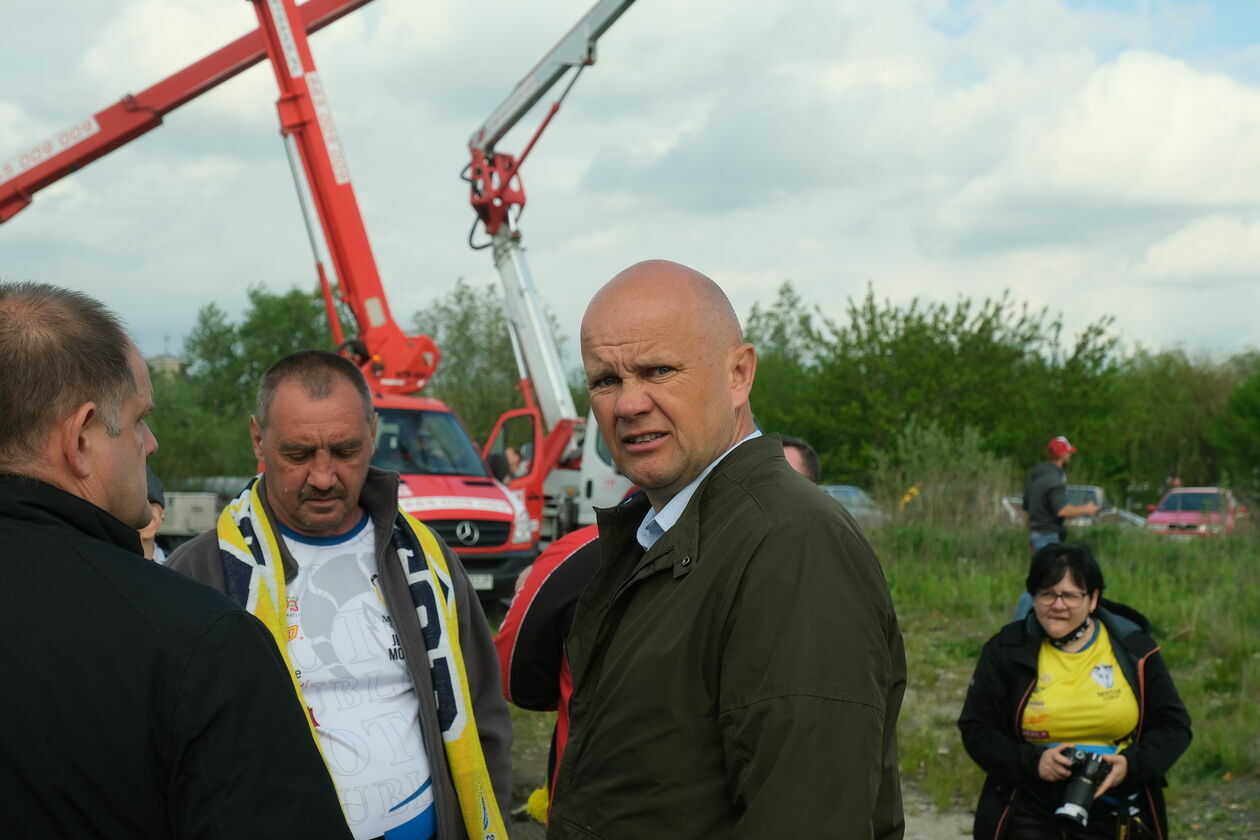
x,y
1050,563
59,349
807,453
316,371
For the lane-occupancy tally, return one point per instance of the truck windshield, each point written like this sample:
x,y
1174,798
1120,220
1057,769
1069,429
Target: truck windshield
x,y
424,443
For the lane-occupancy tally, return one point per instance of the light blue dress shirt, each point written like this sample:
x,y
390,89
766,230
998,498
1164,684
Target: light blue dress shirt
x,y
656,523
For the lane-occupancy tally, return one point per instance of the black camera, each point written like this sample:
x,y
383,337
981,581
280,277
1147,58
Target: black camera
x,y
1088,769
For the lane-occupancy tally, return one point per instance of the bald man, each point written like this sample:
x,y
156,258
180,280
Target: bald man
x,y
736,660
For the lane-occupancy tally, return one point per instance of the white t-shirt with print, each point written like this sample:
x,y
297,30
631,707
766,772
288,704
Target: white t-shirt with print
x,y
354,677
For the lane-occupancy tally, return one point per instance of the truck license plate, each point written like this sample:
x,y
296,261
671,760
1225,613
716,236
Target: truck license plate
x,y
482,581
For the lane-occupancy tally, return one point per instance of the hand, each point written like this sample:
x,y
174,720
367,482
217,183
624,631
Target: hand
x,y
1054,766
1091,508
1119,769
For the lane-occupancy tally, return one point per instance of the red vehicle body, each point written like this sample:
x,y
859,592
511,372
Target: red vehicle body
x,y
444,479
1195,512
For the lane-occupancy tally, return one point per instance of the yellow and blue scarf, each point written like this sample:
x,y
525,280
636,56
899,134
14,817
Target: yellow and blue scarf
x,y
253,574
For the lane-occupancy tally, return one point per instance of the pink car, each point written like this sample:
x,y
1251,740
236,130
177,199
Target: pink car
x,y
1195,511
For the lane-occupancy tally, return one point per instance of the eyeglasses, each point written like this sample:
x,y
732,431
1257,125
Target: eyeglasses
x,y
1071,600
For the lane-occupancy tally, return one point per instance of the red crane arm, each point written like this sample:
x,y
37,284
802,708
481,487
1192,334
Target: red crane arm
x,y
50,160
392,361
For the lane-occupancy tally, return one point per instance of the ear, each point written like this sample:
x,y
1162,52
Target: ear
x,y
372,442
743,367
1093,601
255,438
74,443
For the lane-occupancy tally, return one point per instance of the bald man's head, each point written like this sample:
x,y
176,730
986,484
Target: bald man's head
x,y
661,284
669,374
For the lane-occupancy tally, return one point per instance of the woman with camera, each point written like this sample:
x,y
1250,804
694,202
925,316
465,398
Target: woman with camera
x,y
1072,714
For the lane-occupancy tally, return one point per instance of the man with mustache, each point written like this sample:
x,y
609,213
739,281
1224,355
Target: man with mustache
x,y
736,661
389,649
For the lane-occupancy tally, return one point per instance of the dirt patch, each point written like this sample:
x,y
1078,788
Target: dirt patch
x,y
923,822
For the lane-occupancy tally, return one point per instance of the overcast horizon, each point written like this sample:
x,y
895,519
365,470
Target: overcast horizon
x,y
1094,158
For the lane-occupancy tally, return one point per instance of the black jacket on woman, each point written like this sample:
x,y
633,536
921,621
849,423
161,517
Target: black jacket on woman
x,y
999,691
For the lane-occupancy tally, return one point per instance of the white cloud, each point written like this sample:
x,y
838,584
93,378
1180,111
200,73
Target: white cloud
x,y
1208,251
1143,134
936,148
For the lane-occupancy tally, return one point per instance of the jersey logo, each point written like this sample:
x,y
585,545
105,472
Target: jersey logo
x,y
1104,675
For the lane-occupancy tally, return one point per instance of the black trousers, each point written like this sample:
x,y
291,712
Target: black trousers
x,y
1030,820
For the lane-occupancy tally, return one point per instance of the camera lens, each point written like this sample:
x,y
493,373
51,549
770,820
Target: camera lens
x,y
1088,769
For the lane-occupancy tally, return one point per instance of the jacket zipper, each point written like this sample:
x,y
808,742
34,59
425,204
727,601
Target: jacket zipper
x,y
643,563
1019,713
1141,669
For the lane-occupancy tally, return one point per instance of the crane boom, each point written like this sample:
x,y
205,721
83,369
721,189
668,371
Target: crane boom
x,y
392,361
497,190
566,465
53,158
575,49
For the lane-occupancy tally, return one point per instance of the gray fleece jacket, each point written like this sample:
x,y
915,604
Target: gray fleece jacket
x,y
200,560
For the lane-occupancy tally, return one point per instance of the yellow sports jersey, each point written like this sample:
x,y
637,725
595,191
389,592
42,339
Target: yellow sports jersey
x,y
1080,698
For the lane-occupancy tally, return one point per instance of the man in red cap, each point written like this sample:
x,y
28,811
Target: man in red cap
x,y
1045,497
1046,505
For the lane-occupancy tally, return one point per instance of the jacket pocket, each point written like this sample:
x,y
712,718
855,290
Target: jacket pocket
x,y
572,829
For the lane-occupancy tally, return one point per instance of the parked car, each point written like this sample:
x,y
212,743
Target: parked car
x,y
1194,512
860,506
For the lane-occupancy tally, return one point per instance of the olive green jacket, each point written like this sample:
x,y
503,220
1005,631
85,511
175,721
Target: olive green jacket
x,y
742,678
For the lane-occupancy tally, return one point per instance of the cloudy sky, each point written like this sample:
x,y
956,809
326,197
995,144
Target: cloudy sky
x,y
1099,158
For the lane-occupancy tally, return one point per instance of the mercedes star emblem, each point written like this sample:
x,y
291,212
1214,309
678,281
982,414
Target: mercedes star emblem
x,y
467,533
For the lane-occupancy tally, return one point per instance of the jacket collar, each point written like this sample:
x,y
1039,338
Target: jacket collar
x,y
672,511
379,497
679,547
30,500
1121,621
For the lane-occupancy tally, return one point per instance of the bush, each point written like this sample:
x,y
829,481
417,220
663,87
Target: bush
x,y
957,480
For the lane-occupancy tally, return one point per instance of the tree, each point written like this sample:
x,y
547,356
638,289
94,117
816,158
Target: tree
x,y
477,374
1236,434
786,340
852,387
203,414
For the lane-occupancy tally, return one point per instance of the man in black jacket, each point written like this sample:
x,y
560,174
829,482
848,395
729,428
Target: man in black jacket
x,y
137,703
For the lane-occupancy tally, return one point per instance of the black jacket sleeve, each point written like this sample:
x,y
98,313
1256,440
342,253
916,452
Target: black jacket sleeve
x,y
987,722
246,765
531,637
1165,727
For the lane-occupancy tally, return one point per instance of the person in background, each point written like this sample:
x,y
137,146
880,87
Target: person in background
x,y
1079,673
389,650
137,703
148,534
1045,496
802,457
709,685
1046,504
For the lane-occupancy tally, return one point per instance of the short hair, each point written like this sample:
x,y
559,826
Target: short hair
x,y
1051,562
60,349
316,371
807,453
